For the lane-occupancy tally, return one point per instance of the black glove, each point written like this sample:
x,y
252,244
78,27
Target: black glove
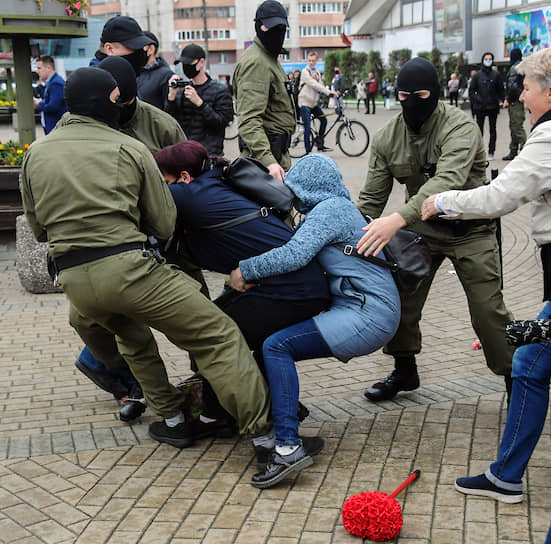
x,y
520,333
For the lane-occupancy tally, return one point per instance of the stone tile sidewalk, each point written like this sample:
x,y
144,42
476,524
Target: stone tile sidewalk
x,y
70,471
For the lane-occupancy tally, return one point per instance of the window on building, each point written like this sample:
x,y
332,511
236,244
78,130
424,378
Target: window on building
x,y
322,7
320,30
81,52
213,34
197,12
222,58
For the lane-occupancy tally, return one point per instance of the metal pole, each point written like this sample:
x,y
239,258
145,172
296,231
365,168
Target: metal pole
x,y
205,32
24,89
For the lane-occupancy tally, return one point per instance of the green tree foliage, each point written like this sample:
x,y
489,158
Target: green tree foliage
x,y
331,59
451,66
396,59
424,54
375,64
436,59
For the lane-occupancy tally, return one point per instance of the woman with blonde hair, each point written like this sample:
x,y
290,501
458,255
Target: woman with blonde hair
x,y
526,179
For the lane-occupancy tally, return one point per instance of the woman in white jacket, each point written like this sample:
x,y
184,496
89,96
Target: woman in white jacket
x,y
526,179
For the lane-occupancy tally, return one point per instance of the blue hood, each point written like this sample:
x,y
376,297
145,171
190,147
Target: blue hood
x,y
315,178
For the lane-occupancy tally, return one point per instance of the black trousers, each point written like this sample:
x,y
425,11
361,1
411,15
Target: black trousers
x,y
257,318
492,119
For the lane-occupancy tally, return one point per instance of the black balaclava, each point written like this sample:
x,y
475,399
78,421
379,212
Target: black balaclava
x,y
273,38
190,70
416,75
125,77
87,93
515,55
138,59
484,67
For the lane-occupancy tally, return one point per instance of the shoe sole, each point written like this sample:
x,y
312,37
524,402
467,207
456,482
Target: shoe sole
x,y
180,443
305,462
261,465
509,499
375,398
117,393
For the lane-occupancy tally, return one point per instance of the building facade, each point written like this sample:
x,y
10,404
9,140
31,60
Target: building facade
x,y
229,27
385,26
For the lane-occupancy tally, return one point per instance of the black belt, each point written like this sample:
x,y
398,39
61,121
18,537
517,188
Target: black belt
x,y
82,256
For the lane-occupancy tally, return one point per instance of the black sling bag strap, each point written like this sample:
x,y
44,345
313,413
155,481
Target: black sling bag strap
x,y
262,212
348,249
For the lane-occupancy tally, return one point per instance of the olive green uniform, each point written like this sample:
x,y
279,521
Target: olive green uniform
x,y
516,127
452,141
109,191
262,103
153,127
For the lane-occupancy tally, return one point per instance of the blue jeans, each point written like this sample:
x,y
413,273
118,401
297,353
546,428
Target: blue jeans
x,y
306,113
280,351
529,401
548,539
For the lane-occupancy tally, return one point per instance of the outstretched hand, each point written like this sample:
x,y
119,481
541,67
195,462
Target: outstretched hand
x,y
378,233
428,209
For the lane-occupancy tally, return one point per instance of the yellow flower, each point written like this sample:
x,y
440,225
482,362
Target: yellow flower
x,y
2,147
20,152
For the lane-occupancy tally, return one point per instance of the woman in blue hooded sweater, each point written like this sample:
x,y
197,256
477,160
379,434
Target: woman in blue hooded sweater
x,y
364,311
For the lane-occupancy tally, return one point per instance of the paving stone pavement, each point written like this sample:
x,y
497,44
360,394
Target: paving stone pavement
x,y
70,471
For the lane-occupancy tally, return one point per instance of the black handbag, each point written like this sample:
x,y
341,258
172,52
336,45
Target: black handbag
x,y
252,180
408,257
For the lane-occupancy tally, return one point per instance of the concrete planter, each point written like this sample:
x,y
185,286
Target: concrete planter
x,y
31,264
31,7
10,197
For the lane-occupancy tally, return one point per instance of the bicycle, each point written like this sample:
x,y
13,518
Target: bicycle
x,y
352,136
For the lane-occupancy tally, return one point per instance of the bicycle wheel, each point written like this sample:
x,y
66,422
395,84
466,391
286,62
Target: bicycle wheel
x,y
231,129
352,138
296,147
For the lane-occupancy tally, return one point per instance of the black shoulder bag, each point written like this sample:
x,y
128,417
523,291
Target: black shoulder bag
x,y
408,257
252,180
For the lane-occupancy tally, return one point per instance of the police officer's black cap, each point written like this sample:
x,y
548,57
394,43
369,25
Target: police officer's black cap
x,y
153,40
271,13
190,53
125,30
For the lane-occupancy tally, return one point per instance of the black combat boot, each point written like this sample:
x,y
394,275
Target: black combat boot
x,y
404,377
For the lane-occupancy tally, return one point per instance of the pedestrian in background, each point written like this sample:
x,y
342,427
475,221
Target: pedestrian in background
x,y
52,104
203,107
372,88
386,91
485,93
514,82
453,90
153,79
361,94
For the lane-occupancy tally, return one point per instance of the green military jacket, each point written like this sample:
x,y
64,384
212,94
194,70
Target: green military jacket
x,y
153,127
262,103
449,139
87,185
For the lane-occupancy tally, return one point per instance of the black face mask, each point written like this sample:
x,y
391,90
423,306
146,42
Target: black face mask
x,y
416,75
127,112
138,59
273,38
87,93
124,75
190,70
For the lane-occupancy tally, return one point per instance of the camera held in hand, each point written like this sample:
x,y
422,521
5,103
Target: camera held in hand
x,y
179,83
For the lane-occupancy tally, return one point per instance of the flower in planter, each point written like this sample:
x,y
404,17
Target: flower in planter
x,y
11,153
73,7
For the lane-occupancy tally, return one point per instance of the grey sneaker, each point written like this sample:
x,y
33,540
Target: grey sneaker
x,y
312,446
280,466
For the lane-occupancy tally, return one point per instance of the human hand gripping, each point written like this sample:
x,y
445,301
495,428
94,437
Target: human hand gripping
x,y
378,233
237,282
276,171
428,209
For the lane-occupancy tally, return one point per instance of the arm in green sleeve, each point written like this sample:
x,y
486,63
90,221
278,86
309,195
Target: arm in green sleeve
x,y
378,186
459,149
158,211
28,203
251,103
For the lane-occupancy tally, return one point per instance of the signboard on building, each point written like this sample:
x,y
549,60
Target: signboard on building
x,y
452,25
529,32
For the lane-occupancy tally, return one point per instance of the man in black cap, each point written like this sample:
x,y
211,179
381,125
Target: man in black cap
x,y
123,37
429,148
264,109
203,107
153,79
